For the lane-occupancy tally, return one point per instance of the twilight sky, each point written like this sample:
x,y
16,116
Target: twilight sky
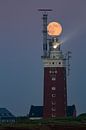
x,y
21,69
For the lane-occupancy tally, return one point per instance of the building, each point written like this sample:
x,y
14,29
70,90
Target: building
x,y
36,112
71,111
6,116
55,77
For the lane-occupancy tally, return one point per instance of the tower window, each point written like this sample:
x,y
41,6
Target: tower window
x,y
53,109
53,88
50,71
53,78
59,63
53,95
53,115
53,103
56,71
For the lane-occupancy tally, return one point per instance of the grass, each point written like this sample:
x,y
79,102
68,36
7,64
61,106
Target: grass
x,y
25,122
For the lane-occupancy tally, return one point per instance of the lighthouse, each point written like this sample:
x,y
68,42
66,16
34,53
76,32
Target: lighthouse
x,y
54,65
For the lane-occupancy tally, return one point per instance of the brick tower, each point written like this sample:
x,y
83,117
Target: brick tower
x,y
55,89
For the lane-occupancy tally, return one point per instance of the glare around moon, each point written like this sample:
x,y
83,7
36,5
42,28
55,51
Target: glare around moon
x,y
54,29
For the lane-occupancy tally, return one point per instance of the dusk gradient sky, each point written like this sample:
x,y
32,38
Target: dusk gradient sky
x,y
21,68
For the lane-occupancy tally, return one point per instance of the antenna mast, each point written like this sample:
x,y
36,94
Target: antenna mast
x,y
45,15
67,57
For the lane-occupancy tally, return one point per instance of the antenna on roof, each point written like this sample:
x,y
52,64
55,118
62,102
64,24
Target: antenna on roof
x,y
45,15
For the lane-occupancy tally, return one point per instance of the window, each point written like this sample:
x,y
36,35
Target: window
x,y
53,78
50,71
55,71
59,63
53,103
53,95
32,114
53,88
53,109
53,115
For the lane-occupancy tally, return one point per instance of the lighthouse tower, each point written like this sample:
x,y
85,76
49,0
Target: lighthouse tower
x,y
55,87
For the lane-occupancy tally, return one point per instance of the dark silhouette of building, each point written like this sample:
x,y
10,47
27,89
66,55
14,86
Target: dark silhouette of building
x,y
36,112
6,116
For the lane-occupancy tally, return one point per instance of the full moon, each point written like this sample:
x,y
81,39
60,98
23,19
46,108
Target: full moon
x,y
54,29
